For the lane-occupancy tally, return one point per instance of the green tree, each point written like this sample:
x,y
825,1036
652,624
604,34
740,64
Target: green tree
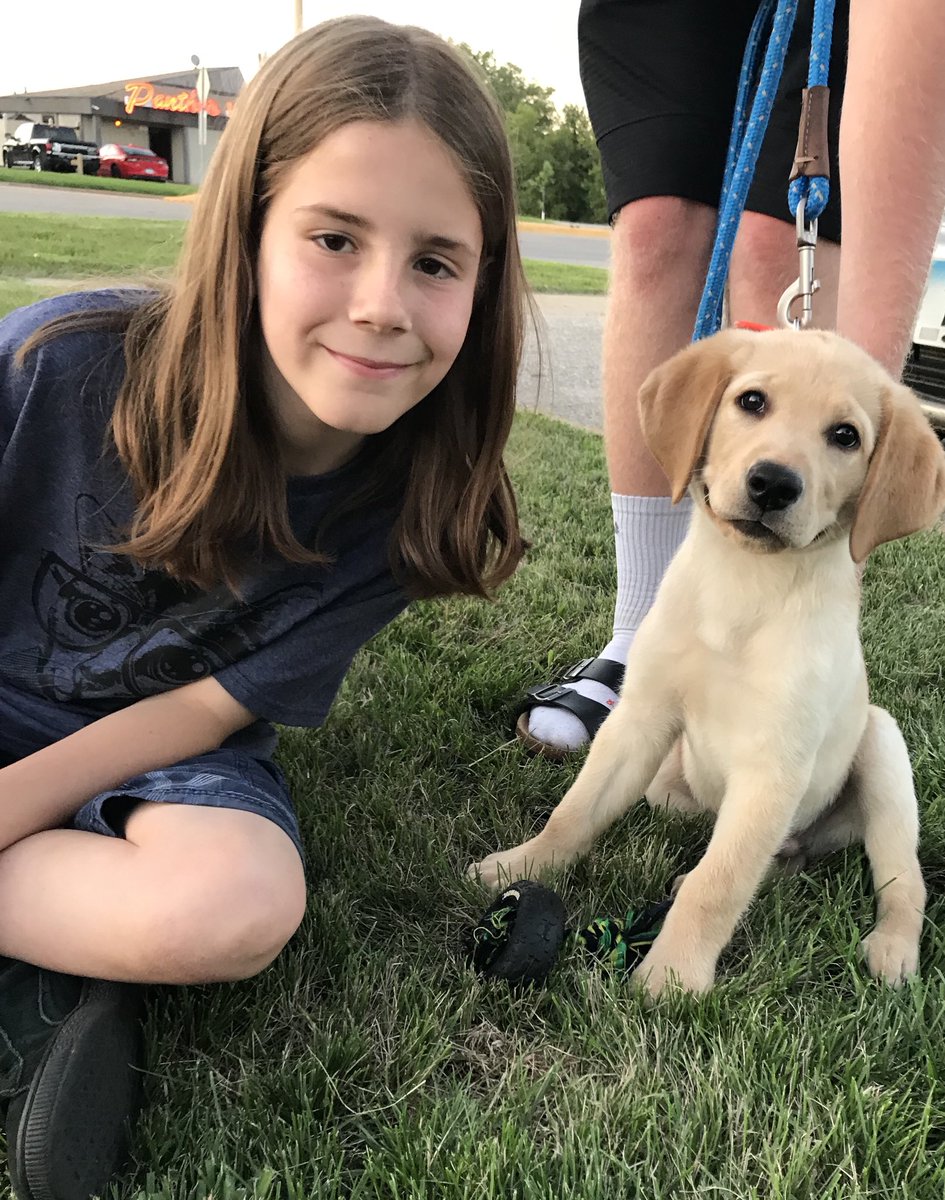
x,y
576,192
512,89
527,140
557,168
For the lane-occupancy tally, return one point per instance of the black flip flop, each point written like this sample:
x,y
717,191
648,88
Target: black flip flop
x,y
68,1132
591,713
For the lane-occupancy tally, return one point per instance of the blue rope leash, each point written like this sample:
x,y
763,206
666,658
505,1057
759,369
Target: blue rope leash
x,y
815,191
748,130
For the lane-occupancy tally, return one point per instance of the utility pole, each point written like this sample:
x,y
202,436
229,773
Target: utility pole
x,y
203,91
298,16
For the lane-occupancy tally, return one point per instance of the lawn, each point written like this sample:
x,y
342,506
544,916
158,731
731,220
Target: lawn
x,y
565,277
36,246
97,183
370,1064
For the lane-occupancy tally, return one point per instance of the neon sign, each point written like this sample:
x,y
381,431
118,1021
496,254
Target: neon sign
x,y
144,95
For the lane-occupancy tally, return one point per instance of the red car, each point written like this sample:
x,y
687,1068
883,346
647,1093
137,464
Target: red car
x,y
132,162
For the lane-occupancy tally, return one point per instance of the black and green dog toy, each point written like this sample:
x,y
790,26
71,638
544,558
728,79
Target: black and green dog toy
x,y
519,936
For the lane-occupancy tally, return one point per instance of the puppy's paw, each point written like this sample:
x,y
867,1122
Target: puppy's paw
x,y
662,968
505,866
891,956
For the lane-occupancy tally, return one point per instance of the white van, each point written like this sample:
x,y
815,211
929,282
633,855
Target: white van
x,y
925,366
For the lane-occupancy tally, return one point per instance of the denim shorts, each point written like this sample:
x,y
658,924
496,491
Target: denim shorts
x,y
221,779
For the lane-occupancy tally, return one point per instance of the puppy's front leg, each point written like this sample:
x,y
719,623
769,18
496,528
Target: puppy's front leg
x,y
886,795
753,821
623,758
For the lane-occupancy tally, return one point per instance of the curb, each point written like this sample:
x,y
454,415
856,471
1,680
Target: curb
x,y
595,231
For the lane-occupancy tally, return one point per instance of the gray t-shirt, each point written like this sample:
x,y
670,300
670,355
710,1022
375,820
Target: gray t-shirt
x,y
84,632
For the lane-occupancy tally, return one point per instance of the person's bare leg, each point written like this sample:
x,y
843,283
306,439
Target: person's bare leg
x,y
892,158
659,254
193,895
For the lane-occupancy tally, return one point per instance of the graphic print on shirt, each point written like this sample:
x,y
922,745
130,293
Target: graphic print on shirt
x,y
112,629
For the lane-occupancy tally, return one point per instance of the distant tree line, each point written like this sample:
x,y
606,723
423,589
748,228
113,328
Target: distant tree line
x,y
557,168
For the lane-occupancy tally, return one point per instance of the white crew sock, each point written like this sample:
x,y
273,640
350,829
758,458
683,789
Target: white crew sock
x,y
647,533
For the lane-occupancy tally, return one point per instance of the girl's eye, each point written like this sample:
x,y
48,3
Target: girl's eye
x,y
845,436
434,268
337,243
752,402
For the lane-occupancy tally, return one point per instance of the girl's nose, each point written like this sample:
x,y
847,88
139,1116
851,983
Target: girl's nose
x,y
378,297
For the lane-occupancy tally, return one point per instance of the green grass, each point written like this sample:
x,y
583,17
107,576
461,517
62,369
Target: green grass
x,y
563,277
37,245
99,183
14,294
369,1064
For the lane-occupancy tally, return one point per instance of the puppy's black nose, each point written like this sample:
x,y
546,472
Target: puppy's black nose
x,y
772,486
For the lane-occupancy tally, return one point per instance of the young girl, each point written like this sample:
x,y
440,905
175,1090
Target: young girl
x,y
212,496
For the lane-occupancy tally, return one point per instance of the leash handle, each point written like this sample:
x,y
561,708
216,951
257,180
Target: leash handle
x,y
810,176
809,183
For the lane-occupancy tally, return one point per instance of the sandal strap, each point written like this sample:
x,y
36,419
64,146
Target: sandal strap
x,y
604,670
591,713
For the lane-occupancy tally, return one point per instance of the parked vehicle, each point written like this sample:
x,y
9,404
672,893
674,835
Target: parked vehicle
x,y
49,148
132,162
925,366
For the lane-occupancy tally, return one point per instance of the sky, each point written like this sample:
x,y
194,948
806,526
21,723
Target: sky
x,y
65,43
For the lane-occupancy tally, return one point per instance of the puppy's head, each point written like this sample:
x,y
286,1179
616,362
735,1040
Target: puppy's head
x,y
789,439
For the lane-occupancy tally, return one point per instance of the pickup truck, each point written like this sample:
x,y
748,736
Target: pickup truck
x,y
925,366
49,148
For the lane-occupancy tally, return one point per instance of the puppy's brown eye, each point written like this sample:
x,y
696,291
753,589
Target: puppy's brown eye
x,y
844,436
752,402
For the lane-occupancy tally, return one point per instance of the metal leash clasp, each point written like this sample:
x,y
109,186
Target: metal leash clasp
x,y
805,285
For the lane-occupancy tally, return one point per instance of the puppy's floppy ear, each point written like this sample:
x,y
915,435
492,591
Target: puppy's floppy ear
x,y
678,401
904,489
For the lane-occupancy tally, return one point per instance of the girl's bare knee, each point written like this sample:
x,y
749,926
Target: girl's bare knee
x,y
254,932
224,912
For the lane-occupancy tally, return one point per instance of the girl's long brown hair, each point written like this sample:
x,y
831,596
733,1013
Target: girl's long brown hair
x,y
190,423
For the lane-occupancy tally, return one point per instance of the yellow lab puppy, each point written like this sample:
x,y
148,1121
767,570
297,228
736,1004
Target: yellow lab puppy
x,y
745,690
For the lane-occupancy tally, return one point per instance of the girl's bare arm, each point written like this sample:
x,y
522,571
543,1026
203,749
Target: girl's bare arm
x,y
45,789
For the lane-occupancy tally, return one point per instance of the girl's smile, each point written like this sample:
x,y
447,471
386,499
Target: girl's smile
x,y
367,270
368,368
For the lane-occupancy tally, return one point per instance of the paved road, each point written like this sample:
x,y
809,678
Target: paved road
x,y
574,249
565,381
569,382
75,202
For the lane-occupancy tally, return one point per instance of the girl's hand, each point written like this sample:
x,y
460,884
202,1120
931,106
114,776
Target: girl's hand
x,y
47,788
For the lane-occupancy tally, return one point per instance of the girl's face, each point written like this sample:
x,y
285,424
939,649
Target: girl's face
x,y
367,267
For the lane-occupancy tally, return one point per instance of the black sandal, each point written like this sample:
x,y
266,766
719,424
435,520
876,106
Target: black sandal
x,y
69,1120
591,713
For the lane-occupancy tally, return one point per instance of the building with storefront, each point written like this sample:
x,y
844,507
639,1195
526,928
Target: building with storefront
x,y
159,113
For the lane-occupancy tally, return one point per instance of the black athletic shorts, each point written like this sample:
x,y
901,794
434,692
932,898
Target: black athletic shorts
x,y
660,78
